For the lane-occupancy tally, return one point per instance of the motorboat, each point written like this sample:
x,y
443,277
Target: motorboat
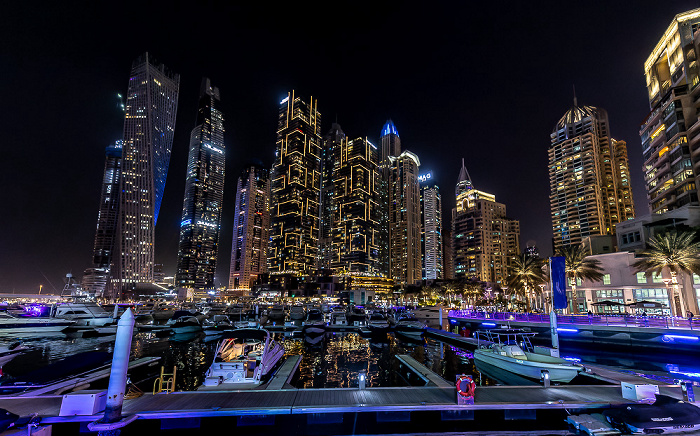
x,y
13,325
184,321
409,326
511,350
314,324
84,313
338,319
666,415
244,358
429,314
377,322
9,352
276,314
217,324
357,316
297,313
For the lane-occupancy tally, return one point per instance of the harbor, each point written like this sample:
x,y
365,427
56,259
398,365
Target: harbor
x,y
354,379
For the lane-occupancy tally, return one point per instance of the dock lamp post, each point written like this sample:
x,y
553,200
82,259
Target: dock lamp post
x,y
544,376
362,378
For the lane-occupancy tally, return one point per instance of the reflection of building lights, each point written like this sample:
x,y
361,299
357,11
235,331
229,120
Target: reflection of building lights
x,y
671,338
567,330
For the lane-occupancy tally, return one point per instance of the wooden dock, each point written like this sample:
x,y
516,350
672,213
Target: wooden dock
x,y
284,375
431,378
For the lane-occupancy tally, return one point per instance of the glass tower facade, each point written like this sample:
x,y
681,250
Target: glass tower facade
x,y
204,191
331,146
149,125
295,189
431,236
251,228
95,278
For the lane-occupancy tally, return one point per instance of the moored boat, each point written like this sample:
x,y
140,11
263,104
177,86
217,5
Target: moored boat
x,y
184,321
31,325
408,326
314,325
244,358
512,351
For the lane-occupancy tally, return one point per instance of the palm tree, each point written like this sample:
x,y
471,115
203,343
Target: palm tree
x,y
674,252
579,267
525,276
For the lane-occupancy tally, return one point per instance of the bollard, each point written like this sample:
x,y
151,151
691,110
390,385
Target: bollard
x,y
362,379
120,365
545,377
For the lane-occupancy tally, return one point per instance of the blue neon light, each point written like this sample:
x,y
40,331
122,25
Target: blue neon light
x,y
185,223
671,338
488,324
389,128
563,329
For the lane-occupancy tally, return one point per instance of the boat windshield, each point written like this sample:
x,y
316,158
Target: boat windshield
x,y
505,337
236,349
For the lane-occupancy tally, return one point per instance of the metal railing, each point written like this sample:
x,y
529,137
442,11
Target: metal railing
x,y
654,321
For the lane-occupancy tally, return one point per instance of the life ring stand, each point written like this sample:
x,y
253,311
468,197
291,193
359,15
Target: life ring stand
x,y
471,386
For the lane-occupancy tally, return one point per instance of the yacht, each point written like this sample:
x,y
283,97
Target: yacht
x,y
276,314
244,358
429,315
314,325
84,313
511,350
184,321
297,313
377,322
34,325
217,324
338,319
408,326
357,316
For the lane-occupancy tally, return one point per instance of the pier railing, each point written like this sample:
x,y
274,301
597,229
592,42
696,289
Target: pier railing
x,y
582,319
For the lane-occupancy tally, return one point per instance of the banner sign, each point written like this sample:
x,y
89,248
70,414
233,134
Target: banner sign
x,y
557,276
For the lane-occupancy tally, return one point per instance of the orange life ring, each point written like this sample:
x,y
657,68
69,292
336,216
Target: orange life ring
x,y
470,386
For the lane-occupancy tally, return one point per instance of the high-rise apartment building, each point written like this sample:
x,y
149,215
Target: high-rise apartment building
x,y
431,235
95,278
356,219
405,260
251,228
295,188
589,177
485,240
329,157
670,134
204,193
390,146
149,125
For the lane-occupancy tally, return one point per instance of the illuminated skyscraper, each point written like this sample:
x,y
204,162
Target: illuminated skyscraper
x,y
95,278
431,235
204,192
356,217
329,157
151,107
405,261
251,228
670,134
295,188
484,239
390,146
588,177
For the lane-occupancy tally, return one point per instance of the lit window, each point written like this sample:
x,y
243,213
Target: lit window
x,y
606,279
656,278
641,277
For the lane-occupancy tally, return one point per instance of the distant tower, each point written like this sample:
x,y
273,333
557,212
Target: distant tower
x,y
390,146
329,154
295,189
485,240
204,192
431,237
405,260
251,228
151,108
95,279
588,177
355,221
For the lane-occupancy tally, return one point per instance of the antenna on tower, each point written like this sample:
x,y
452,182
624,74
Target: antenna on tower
x,y
575,101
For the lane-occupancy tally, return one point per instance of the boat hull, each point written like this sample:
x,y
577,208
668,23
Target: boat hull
x,y
525,368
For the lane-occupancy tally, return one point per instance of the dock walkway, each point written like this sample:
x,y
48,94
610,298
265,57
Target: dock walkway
x,y
431,378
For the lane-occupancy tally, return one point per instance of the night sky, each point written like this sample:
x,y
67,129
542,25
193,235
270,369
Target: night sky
x,y
484,81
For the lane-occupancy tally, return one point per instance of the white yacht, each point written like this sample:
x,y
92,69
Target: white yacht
x,y
34,325
244,359
83,313
430,314
512,351
338,319
407,325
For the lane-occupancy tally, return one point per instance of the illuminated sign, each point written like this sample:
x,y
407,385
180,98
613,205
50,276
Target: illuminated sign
x,y
425,177
185,223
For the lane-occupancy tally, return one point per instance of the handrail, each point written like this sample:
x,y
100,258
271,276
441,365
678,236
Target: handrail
x,y
163,384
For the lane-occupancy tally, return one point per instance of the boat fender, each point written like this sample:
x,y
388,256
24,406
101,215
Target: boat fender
x,y
471,386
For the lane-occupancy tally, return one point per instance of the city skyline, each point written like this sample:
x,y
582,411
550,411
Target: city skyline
x,y
55,236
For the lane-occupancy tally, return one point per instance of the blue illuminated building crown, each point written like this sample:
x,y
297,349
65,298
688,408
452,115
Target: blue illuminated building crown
x,y
389,128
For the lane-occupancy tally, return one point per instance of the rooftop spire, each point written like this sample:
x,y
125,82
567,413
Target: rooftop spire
x,y
464,174
389,128
575,101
